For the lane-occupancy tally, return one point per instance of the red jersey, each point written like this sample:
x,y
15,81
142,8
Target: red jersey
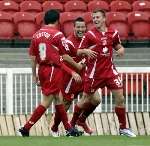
x,y
47,45
69,85
73,44
102,42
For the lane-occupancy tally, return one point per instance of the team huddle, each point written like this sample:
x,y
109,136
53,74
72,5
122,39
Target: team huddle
x,y
79,64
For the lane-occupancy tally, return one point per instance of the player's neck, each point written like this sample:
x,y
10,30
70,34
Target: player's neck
x,y
103,29
52,25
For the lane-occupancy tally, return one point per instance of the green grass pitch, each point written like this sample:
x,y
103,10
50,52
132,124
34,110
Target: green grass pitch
x,y
76,141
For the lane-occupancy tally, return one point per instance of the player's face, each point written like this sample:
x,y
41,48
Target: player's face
x,y
80,29
98,19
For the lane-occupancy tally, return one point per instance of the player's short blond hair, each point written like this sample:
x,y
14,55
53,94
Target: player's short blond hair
x,y
101,11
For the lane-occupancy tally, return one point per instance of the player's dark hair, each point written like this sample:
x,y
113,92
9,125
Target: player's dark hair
x,y
79,19
101,11
51,16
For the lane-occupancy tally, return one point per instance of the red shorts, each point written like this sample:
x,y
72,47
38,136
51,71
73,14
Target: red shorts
x,y
71,88
50,79
91,85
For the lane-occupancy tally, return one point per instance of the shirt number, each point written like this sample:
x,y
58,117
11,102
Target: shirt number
x,y
118,82
42,50
64,43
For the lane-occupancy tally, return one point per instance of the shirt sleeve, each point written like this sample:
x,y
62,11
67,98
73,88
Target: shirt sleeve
x,y
72,50
60,42
116,38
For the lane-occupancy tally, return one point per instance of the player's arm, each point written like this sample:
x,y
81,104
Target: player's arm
x,y
87,52
70,60
84,46
119,50
117,44
65,49
33,61
33,66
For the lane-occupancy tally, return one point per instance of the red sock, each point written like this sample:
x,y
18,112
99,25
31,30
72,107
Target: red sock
x,y
38,112
76,114
63,115
57,121
120,112
87,110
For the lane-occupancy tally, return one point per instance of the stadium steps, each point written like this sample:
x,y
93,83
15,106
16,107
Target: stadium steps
x,y
18,57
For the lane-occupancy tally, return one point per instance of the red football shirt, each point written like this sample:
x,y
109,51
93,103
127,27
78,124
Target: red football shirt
x,y
102,42
47,45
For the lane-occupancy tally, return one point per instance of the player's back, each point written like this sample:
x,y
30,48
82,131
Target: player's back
x,y
45,45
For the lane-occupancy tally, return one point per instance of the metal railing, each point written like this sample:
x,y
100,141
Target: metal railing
x,y
18,94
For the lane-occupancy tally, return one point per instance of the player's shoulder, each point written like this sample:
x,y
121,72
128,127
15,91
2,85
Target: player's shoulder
x,y
91,33
58,34
52,30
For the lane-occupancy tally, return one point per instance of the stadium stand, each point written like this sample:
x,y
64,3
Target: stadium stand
x,y
88,19
92,5
118,21
52,5
139,23
129,31
66,21
9,6
18,1
143,6
75,6
134,28
33,7
120,6
26,25
129,1
6,26
39,19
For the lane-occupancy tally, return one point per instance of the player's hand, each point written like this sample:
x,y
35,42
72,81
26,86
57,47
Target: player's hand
x,y
76,77
36,80
120,52
90,53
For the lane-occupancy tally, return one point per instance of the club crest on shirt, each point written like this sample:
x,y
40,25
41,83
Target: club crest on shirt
x,y
105,52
